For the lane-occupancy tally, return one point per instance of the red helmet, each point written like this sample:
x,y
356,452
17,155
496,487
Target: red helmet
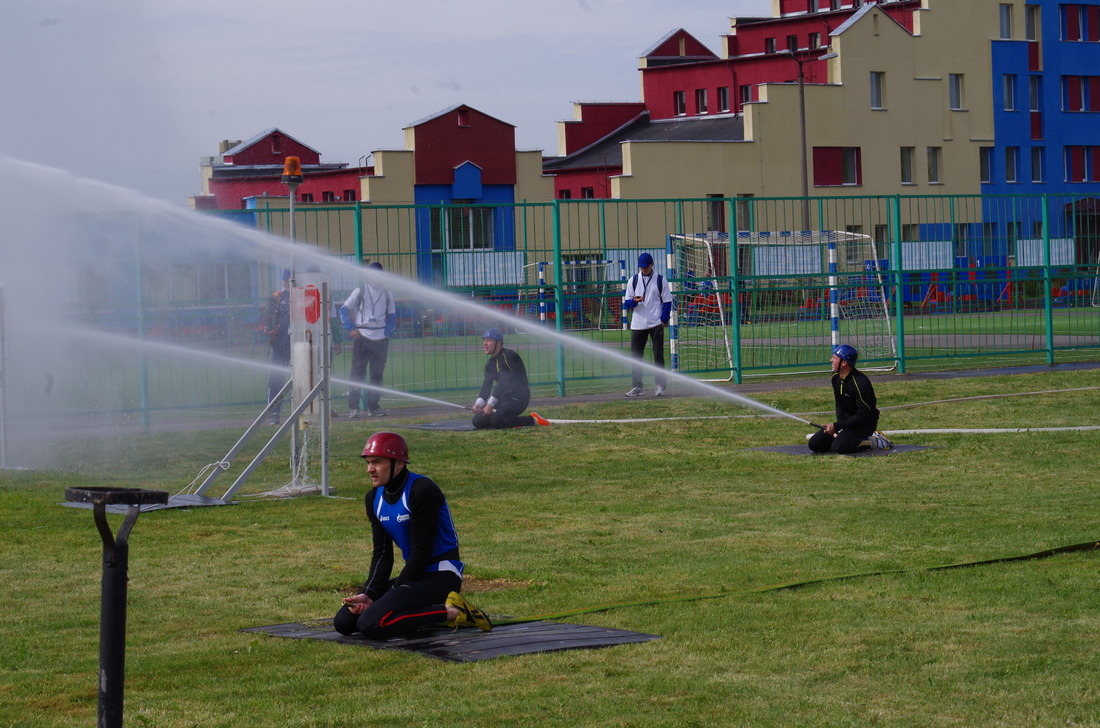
x,y
387,445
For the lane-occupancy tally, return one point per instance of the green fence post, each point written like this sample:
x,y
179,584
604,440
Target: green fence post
x,y
735,293
1048,302
559,307
359,233
896,277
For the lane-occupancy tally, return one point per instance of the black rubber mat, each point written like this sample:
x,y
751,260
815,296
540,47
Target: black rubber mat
x,y
448,425
803,450
471,645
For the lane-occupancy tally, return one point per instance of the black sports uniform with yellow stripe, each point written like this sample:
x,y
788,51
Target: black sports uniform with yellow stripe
x,y
856,414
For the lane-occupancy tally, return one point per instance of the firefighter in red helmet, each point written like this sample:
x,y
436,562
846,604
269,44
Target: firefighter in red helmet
x,y
408,510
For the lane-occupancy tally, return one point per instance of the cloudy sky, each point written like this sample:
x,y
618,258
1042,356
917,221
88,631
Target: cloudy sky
x,y
134,92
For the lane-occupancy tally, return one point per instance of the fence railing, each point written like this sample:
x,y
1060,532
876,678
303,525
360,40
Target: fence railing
x,y
914,282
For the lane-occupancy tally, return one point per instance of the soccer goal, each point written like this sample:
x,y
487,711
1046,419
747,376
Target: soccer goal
x,y
798,293
591,293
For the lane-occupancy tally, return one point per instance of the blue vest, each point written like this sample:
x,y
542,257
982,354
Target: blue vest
x,y
397,520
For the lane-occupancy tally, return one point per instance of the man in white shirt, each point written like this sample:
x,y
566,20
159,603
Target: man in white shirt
x,y
647,294
369,317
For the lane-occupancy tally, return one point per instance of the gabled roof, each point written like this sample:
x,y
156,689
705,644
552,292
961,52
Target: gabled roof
x,y
607,152
448,110
858,15
264,135
665,51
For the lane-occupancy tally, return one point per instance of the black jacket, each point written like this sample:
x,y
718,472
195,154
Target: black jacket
x,y
856,406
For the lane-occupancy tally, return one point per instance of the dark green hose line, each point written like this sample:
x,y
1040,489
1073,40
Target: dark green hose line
x,y
1087,546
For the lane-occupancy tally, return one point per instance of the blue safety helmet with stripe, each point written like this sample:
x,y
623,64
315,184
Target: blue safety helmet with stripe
x,y
494,334
847,353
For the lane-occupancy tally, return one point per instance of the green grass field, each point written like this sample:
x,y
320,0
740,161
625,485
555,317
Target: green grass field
x,y
583,515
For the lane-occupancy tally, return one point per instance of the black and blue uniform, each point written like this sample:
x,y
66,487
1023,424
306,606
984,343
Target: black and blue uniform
x,y
412,512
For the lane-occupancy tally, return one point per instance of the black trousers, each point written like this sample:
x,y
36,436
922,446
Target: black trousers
x,y
638,339
403,609
506,414
368,354
846,441
280,355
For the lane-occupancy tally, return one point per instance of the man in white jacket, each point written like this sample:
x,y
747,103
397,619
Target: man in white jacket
x,y
369,318
647,294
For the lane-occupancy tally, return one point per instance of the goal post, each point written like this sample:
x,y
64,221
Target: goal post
x,y
791,294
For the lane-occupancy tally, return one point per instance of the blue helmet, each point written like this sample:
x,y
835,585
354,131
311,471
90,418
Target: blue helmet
x,y
494,334
847,353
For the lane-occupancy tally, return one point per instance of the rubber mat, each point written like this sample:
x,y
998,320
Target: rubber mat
x,y
803,450
471,645
449,425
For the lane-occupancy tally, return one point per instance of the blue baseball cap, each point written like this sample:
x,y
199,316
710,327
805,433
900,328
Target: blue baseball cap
x,y
645,260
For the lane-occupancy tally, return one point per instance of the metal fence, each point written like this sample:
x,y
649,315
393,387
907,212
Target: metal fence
x,y
916,282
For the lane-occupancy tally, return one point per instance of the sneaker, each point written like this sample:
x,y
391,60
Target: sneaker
x,y
635,392
879,441
540,420
468,614
353,415
660,391
376,413
274,418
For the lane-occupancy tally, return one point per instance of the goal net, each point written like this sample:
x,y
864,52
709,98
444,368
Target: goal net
x,y
798,293
592,293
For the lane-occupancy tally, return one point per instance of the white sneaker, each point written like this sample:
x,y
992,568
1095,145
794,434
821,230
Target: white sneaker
x,y
635,392
879,441
353,415
660,391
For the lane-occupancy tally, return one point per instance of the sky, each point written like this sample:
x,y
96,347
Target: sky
x,y
136,92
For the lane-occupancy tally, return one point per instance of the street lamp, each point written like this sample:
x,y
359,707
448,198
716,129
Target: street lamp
x,y
802,128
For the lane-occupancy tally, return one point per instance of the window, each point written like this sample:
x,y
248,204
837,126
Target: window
x,y
985,164
878,83
834,4
1006,21
1081,93
1038,173
836,166
462,228
1031,22
1034,93
910,231
679,106
907,165
934,154
565,194
349,195
792,43
716,213
1082,164
815,41
328,196
700,101
463,116
769,45
306,197
588,193
811,6
955,91
746,94
1009,86
723,98
1012,161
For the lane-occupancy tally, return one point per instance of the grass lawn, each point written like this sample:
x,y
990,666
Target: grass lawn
x,y
582,515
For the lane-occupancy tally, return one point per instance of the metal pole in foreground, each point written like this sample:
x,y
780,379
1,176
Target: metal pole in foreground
x,y
112,615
